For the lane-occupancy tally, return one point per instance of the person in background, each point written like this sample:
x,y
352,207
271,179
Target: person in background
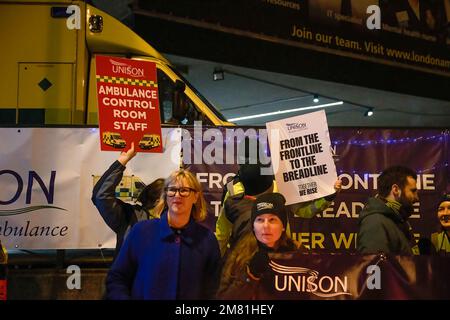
x,y
171,257
118,215
383,222
248,261
441,240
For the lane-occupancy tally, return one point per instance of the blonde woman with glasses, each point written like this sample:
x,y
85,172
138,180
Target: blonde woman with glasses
x,y
172,257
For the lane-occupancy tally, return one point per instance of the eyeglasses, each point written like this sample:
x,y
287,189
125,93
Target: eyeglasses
x,y
183,191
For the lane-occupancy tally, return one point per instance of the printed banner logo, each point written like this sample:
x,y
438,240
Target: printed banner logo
x,y
294,127
264,205
14,212
299,279
120,67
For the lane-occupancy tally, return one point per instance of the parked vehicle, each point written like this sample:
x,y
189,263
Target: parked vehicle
x,y
50,72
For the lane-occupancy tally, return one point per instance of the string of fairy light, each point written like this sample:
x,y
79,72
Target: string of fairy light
x,y
440,137
443,137
434,168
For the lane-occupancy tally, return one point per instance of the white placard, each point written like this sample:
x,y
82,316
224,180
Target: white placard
x,y
46,181
301,154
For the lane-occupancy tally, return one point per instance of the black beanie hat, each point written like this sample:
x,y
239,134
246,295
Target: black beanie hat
x,y
443,198
270,203
254,182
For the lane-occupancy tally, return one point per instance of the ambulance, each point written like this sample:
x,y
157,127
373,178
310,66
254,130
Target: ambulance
x,y
113,139
49,71
128,189
149,141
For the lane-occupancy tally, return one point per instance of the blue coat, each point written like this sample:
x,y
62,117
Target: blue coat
x,y
156,263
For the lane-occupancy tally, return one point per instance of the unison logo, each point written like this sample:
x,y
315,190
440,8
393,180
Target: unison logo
x,y
16,186
11,194
299,279
292,127
119,67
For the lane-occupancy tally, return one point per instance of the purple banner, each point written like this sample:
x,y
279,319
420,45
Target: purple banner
x,y
299,276
360,156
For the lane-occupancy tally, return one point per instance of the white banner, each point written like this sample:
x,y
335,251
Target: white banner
x,y
301,156
46,181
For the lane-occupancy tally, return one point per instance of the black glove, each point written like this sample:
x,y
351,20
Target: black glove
x,y
259,264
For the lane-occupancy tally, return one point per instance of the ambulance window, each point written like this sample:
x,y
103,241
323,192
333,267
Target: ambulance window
x,y
189,112
165,90
176,107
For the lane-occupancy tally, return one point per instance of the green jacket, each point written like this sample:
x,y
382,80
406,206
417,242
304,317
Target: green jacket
x,y
441,243
382,229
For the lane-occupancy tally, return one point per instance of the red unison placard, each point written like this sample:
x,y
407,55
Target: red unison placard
x,y
128,104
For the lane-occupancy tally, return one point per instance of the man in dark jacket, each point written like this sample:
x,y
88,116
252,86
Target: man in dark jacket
x,y
383,223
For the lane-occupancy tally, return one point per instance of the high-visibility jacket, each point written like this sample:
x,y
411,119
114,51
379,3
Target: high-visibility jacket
x,y
441,242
